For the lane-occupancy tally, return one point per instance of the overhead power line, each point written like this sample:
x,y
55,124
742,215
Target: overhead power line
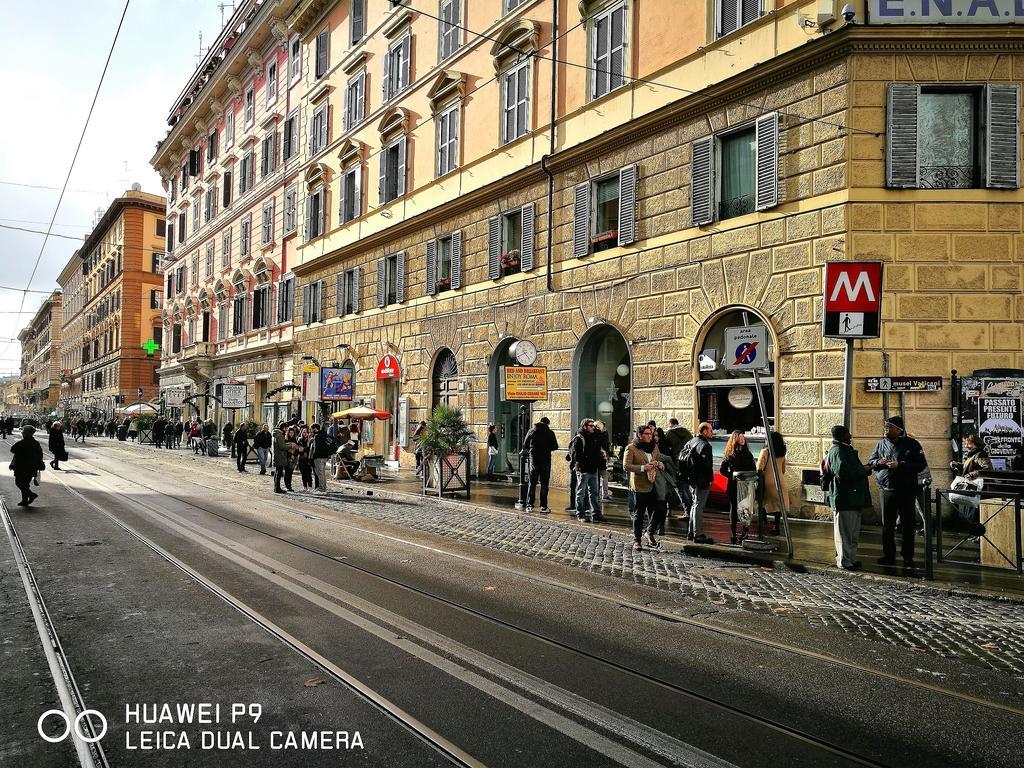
x,y
43,186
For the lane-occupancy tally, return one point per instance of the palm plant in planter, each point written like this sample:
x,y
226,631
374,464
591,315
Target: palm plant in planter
x,y
444,444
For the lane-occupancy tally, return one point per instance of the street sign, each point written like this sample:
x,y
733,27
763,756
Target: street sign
x,y
853,299
388,368
903,384
707,360
525,384
746,348
174,398
232,396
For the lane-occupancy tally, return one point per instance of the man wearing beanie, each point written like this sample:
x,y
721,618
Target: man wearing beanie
x,y
847,495
897,461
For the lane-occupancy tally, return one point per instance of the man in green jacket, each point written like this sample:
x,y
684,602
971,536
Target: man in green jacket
x,y
848,494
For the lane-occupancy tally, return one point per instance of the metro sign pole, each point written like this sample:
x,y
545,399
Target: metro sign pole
x,y
852,310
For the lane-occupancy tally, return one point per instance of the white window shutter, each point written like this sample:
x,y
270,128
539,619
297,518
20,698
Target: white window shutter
x,y
457,259
494,248
527,245
627,205
383,176
355,289
341,198
1002,155
357,207
385,80
581,222
400,277
270,310
406,69
362,96
431,268
901,134
766,179
702,199
401,166
381,281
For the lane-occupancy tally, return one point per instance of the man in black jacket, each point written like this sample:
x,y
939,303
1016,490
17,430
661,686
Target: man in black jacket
x,y
696,464
539,444
589,460
676,437
897,460
240,446
322,450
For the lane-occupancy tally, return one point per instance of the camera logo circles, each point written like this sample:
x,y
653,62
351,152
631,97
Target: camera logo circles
x,y
67,725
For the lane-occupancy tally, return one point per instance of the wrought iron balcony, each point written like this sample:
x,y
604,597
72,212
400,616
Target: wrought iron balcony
x,y
949,176
735,206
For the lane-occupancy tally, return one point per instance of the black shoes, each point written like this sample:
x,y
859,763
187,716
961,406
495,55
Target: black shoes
x,y
887,561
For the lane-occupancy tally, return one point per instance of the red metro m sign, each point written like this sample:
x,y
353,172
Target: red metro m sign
x,y
853,299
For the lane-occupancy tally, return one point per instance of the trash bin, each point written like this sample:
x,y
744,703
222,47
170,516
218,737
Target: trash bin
x,y
122,432
746,497
212,447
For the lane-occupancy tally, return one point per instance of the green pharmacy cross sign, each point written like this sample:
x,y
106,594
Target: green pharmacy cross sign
x,y
151,347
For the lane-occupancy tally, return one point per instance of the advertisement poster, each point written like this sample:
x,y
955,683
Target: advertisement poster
x,y
528,384
233,396
1000,426
337,383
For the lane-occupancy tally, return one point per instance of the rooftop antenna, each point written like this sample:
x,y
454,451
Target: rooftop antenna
x,y
222,6
199,56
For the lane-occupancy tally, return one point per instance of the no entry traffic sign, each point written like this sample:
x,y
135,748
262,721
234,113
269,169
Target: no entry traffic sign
x,y
853,299
746,348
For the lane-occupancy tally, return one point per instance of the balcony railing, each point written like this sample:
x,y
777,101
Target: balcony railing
x,y
196,350
735,206
949,176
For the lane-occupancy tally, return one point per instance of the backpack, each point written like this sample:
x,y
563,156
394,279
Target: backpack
x,y
574,445
827,476
330,442
684,465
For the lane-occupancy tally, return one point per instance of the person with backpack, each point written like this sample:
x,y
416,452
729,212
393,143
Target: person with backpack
x,y
539,444
696,466
589,459
897,461
676,437
845,481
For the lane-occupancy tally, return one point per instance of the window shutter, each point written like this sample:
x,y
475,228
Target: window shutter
x,y
381,281
401,166
386,80
1002,155
361,100
341,198
357,204
766,179
306,290
581,222
751,10
309,218
528,245
270,310
901,147
400,277
383,175
341,293
728,16
457,259
355,289
405,73
627,205
431,268
323,300
321,53
494,248
701,196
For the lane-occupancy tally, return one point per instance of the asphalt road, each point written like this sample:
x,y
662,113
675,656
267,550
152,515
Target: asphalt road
x,y
171,587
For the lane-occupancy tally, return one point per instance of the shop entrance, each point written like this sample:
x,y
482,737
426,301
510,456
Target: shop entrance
x,y
504,414
388,390
603,383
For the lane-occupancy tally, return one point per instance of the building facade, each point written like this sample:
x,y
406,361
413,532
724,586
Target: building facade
x,y
40,357
113,294
565,174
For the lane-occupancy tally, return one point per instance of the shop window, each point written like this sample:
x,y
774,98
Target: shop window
x,y
733,14
610,220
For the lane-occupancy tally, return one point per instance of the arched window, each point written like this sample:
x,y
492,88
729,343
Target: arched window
x,y
603,382
445,380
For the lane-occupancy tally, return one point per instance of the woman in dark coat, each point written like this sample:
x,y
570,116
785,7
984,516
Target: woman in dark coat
x,y
28,459
56,444
306,459
737,458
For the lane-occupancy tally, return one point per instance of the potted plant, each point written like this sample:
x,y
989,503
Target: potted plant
x,y
444,283
510,262
444,444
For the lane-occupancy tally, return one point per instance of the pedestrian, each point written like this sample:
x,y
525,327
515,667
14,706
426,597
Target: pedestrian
x,y
575,444
666,484
420,429
353,433
294,451
676,437
55,442
305,459
176,429
737,458
27,464
322,449
240,446
280,448
159,427
3,427
975,460
847,492
492,450
539,444
229,429
897,460
696,467
589,460
195,436
263,442
209,433
606,446
769,493
642,461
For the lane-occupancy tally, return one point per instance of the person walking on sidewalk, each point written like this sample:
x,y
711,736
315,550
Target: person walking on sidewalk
x,y
589,459
737,458
848,494
769,493
26,464
539,444
897,460
675,438
263,443
606,446
322,449
159,429
229,443
492,450
281,458
643,461
305,458
696,465
55,442
209,433
240,446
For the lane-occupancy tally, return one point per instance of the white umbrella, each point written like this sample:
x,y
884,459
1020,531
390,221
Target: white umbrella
x,y
137,408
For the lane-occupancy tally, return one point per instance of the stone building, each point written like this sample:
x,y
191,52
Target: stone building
x,y
40,357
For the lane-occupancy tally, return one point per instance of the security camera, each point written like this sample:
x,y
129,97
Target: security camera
x,y
848,13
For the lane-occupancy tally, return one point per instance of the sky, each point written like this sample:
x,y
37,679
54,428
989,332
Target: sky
x,y
51,65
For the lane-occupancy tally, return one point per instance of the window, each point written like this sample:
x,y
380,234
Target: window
x,y
312,309
733,14
608,50
244,238
515,102
161,227
268,161
210,248
154,299
156,257
604,213
225,248
170,236
290,203
222,322
318,131
238,311
195,269
211,148
210,206
734,172
184,177
315,224
511,242
449,28
511,5
294,60
322,53
195,161
260,307
351,205
228,189
448,140
443,265
195,215
392,171
396,67
391,280
271,87
953,137
229,126
180,280
357,21
246,174
355,101
173,192
267,226
348,292
290,142
285,300
250,106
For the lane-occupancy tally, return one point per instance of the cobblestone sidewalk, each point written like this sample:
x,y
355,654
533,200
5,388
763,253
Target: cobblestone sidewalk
x,y
982,632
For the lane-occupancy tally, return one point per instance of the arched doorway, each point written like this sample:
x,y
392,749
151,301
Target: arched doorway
x,y
504,414
602,386
445,384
